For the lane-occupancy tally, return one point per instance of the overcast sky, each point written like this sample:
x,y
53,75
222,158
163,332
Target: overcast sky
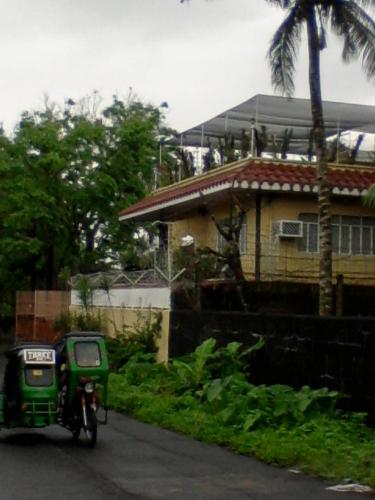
x,y
201,58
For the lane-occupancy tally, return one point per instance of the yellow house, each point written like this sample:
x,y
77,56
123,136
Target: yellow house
x,y
279,239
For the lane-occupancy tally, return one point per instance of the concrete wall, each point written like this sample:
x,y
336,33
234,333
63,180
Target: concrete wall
x,y
130,309
157,298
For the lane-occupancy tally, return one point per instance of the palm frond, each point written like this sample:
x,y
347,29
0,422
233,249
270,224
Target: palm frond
x,y
325,10
282,53
370,4
323,15
357,29
284,4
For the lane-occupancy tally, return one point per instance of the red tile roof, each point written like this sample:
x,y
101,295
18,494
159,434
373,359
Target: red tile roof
x,y
255,175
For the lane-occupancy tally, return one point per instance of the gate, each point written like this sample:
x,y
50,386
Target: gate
x,y
36,312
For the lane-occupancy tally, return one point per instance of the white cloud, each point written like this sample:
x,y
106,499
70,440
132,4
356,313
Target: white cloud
x,y
202,57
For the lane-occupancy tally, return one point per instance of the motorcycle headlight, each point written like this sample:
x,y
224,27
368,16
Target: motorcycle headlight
x,y
89,387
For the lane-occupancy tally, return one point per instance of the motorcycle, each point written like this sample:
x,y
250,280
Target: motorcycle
x,y
83,376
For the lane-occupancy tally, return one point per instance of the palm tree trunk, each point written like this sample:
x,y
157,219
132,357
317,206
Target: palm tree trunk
x,y
324,189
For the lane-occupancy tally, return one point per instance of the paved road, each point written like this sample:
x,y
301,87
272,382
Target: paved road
x,y
137,461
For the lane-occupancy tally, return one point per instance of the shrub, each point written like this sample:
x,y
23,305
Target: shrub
x,y
208,396
141,339
80,321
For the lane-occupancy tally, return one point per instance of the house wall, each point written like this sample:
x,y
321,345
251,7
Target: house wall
x,y
280,258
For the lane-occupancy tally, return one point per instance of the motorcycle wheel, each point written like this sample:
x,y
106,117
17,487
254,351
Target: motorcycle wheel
x,y
91,431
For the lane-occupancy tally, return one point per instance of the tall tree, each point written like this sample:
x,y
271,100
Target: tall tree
x,y
349,20
64,176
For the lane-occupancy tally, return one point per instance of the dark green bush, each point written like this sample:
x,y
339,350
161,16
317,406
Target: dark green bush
x,y
140,340
85,321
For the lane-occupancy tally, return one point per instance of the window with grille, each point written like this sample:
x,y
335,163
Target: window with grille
x,y
350,235
222,243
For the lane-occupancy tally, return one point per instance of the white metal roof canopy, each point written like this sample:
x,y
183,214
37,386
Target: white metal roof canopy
x,y
277,114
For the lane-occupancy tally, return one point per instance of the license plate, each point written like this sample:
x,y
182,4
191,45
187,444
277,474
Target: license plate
x,y
37,356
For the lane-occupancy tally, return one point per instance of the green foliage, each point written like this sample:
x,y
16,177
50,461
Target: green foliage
x,y
85,290
198,264
64,278
65,174
80,321
135,257
138,341
369,198
208,365
208,396
194,370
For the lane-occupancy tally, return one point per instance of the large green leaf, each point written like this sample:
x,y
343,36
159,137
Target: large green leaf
x,y
251,419
214,390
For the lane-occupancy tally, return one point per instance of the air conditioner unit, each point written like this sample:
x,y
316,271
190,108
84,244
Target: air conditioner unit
x,y
288,228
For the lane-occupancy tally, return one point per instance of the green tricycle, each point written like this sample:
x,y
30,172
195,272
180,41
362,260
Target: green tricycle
x,y
30,392
62,384
82,373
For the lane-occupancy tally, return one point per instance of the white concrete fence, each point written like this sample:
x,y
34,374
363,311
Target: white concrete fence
x,y
139,298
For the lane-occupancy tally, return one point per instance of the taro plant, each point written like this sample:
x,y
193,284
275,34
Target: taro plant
x,y
193,370
218,377
243,405
207,395
208,368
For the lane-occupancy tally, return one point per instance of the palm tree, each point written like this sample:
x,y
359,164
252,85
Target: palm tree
x,y
349,20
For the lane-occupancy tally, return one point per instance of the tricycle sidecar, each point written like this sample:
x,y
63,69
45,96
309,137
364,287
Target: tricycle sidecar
x,y
30,391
